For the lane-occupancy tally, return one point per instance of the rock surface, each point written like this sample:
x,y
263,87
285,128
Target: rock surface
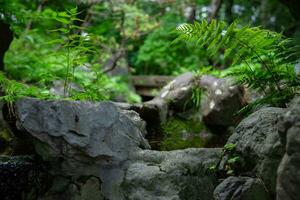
x,y
178,92
95,152
176,175
241,188
83,138
222,100
154,113
85,188
218,107
288,181
257,142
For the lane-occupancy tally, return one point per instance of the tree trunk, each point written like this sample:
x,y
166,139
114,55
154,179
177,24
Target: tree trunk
x,y
228,11
215,7
192,14
6,37
264,13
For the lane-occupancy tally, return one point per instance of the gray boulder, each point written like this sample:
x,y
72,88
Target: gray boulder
x,y
82,139
222,100
258,144
241,188
288,177
178,92
176,175
154,113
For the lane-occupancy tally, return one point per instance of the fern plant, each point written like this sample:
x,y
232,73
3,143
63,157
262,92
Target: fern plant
x,y
76,45
265,58
12,90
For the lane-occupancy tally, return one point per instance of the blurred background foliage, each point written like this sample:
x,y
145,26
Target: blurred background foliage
x,y
128,37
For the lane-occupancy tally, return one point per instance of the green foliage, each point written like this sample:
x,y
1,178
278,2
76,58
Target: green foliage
x,y
15,14
233,160
31,60
181,134
197,90
75,45
230,147
267,63
196,96
65,51
14,90
230,160
157,56
231,165
142,30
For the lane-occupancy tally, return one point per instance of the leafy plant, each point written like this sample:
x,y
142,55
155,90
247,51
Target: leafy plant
x,y
12,90
265,62
157,56
232,159
15,14
197,91
229,163
75,44
230,147
196,97
40,58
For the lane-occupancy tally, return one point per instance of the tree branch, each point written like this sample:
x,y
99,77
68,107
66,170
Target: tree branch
x,y
112,62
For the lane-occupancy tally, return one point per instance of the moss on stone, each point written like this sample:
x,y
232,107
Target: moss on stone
x,y
5,137
181,134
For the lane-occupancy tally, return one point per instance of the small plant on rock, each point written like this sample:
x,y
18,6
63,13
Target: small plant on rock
x,y
230,162
74,41
233,160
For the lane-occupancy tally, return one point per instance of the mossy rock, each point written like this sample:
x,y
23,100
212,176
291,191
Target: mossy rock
x,y
181,134
5,138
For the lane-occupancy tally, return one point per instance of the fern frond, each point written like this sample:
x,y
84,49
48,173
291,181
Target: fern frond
x,y
272,54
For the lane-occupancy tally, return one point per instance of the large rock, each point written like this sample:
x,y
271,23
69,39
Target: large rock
x,y
178,93
154,113
288,177
176,175
258,144
222,100
241,188
82,139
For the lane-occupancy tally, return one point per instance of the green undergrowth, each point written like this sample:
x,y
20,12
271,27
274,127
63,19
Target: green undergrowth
x,y
181,134
13,90
59,55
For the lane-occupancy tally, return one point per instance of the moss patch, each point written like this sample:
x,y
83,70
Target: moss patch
x,y
4,142
181,134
